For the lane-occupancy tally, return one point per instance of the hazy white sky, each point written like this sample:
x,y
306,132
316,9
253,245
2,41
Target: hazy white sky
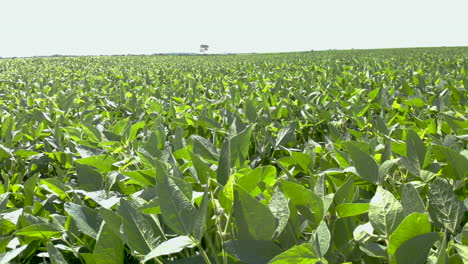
x,y
93,27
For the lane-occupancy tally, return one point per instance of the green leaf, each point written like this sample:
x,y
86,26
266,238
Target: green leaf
x,y
252,251
304,197
304,161
413,225
171,246
140,231
89,179
54,254
287,134
29,187
4,200
239,146
251,111
5,153
386,167
415,148
5,258
320,239
351,209
464,234
204,172
462,250
102,162
113,220
279,208
199,224
145,178
109,247
302,254
365,165
444,207
253,219
416,249
87,219
151,146
178,212
345,193
385,212
457,161
43,231
410,200
205,148
224,164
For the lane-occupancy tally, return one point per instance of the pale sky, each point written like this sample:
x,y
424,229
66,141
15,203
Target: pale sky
x,y
95,27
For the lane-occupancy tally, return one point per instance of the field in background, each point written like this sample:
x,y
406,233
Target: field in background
x,y
322,157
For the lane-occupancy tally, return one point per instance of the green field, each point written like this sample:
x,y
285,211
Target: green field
x,y
355,156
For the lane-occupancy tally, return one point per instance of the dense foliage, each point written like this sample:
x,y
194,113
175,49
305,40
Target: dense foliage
x,y
319,157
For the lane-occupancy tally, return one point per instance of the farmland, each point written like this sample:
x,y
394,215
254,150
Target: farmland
x,y
353,156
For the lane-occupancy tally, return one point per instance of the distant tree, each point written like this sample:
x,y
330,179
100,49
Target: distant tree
x,y
204,48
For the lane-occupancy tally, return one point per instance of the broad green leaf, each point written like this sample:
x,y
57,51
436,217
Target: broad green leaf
x,y
410,200
385,212
457,161
239,146
94,135
464,234
151,146
56,186
89,179
140,231
224,164
87,219
320,239
7,257
386,167
413,225
444,207
415,148
145,178
171,246
462,251
304,160
199,224
131,134
351,209
109,247
301,254
102,162
204,172
29,187
415,250
226,196
113,220
4,200
5,153
178,212
4,241
43,231
250,180
302,196
365,165
253,219
279,208
205,148
287,134
54,254
251,111
375,250
252,251
345,193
